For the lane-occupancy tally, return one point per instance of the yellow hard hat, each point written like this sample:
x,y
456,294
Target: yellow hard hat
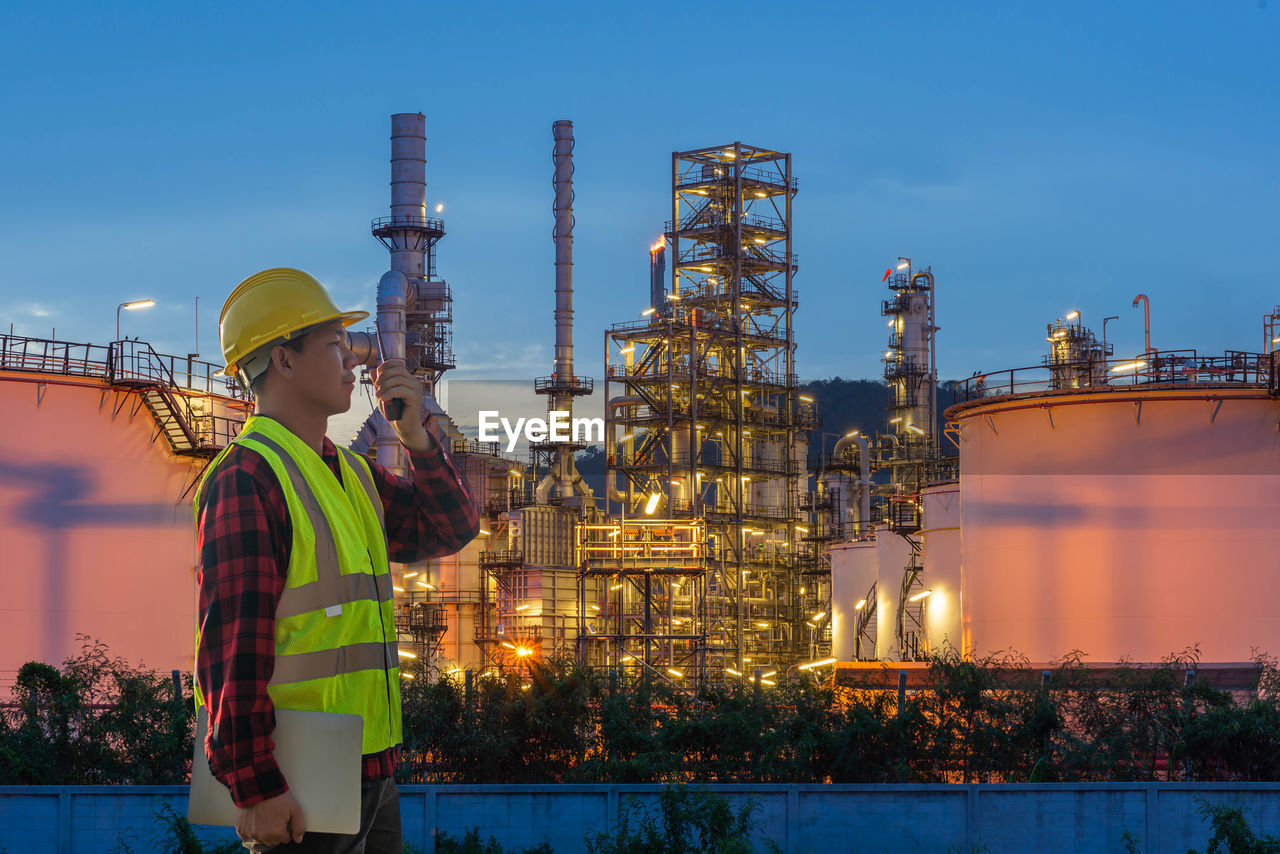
x,y
273,305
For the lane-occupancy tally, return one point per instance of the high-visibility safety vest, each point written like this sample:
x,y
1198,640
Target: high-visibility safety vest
x,y
335,637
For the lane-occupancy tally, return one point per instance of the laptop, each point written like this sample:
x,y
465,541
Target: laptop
x,y
319,755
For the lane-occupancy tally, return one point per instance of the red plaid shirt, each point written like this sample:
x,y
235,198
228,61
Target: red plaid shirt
x,y
243,542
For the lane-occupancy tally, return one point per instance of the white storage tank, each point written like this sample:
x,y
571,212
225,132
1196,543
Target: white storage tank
x,y
940,537
1126,521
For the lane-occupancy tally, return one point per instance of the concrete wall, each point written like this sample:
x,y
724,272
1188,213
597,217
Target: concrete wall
x,y
1164,818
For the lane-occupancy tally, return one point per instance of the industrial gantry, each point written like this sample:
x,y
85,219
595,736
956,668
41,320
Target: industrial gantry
x,y
705,421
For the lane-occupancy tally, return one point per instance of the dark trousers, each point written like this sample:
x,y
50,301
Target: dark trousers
x,y
379,826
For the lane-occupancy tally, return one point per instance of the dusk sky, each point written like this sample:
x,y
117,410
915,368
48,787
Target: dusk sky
x,y
1041,157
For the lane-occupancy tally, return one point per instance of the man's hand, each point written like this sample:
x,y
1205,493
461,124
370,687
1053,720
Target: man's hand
x,y
393,380
272,822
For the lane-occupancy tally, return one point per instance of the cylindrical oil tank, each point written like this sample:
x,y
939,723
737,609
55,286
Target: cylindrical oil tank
x,y
853,573
893,554
940,538
1128,523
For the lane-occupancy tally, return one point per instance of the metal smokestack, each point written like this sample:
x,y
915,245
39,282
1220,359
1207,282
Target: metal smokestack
x,y
409,191
562,386
562,157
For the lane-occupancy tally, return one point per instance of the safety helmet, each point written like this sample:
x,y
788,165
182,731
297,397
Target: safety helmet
x,y
272,306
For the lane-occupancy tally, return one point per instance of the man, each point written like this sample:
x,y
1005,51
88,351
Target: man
x,y
294,537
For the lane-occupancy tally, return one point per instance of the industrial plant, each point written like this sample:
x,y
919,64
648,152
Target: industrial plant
x,y
1123,507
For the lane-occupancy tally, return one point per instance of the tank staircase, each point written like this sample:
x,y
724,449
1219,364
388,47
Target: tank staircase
x,y
136,367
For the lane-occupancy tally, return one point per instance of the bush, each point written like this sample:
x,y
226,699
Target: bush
x,y
687,821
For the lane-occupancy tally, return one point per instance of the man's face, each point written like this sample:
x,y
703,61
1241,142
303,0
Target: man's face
x,y
324,370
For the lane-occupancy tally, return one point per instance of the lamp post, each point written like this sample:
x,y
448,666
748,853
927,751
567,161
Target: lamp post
x,y
131,306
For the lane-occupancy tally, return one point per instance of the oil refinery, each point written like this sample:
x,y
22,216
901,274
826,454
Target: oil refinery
x,y
1123,507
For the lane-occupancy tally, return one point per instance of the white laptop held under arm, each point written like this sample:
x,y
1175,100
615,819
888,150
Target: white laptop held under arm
x,y
319,755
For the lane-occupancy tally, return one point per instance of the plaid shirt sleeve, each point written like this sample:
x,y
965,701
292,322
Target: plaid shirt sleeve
x,y
243,543
431,514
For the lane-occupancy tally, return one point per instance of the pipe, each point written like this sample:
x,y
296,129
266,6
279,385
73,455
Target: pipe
x,y
409,189
1146,319
611,487
390,320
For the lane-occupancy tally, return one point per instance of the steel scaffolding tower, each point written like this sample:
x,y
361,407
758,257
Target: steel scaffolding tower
x,y
704,418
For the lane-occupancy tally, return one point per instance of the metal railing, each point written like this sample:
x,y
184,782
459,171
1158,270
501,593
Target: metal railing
x,y
1162,367
749,221
121,358
424,223
693,177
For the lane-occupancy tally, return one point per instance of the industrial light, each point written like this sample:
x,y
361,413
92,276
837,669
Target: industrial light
x,y
1073,315
405,654
595,607
453,671
767,675
802,530
627,437
764,681
732,671
920,595
675,673
806,398
888,354
652,503
647,312
508,645
130,306
1128,366
895,420
904,265
410,574
762,625
484,533
820,663
913,428
818,616
801,591
1275,340
851,435
397,589
440,208
729,154
523,651
406,675
516,472
890,324
673,296
616,587
630,348
522,607
862,603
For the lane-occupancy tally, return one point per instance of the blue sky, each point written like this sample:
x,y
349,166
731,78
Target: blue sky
x,y
1042,157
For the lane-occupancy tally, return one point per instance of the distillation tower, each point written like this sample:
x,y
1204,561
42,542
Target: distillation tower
x,y
707,436
878,532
